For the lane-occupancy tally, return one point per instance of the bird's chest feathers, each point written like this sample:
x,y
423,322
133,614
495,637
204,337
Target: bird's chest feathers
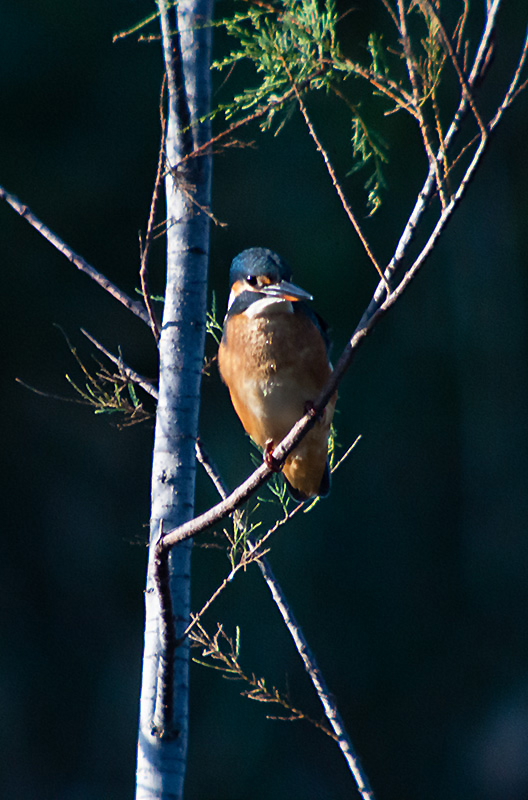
x,y
273,361
266,345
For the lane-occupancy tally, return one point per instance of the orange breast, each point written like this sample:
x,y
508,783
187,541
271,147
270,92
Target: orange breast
x,y
273,367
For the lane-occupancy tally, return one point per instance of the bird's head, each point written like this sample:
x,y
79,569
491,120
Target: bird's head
x,y
262,271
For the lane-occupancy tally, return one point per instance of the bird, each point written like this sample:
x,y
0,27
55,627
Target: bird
x,y
273,358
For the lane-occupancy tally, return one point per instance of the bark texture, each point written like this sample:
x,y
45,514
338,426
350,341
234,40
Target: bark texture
x,y
162,749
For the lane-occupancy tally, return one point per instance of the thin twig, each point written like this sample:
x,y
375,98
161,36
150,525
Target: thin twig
x,y
135,28
439,227
202,456
486,41
337,186
461,24
424,128
230,667
458,69
427,190
255,552
143,272
386,86
514,88
79,262
392,13
131,374
259,112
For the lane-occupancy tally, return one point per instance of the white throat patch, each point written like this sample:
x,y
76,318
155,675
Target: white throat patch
x,y
269,305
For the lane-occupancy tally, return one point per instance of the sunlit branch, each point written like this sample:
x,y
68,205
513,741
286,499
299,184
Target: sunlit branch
x,y
370,317
428,188
424,128
458,69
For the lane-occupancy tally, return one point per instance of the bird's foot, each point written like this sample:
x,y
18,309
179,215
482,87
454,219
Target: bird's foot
x,y
309,409
269,458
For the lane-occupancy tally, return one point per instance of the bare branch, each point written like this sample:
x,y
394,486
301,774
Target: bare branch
x,y
135,28
514,88
202,456
310,664
458,69
428,188
76,260
261,111
424,128
229,665
401,98
369,319
326,698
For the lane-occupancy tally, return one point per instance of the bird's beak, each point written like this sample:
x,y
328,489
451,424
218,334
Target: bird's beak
x,y
288,291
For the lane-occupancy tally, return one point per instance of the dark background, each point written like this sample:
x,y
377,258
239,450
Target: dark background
x,y
410,581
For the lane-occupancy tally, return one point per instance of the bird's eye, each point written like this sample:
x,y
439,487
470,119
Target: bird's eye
x,y
252,280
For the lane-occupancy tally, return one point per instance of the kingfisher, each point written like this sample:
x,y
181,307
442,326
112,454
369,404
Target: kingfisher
x,y
273,357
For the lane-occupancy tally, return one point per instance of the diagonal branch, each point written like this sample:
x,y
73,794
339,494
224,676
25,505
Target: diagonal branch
x,y
310,664
370,318
260,111
331,171
514,88
337,186
131,374
308,658
77,260
426,193
424,128
458,69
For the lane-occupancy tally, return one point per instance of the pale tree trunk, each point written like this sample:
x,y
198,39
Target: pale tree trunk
x,y
162,753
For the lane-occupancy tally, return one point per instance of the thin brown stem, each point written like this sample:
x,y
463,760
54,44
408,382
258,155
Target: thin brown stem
x,y
515,86
337,186
135,28
390,89
259,112
458,69
424,196
143,272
